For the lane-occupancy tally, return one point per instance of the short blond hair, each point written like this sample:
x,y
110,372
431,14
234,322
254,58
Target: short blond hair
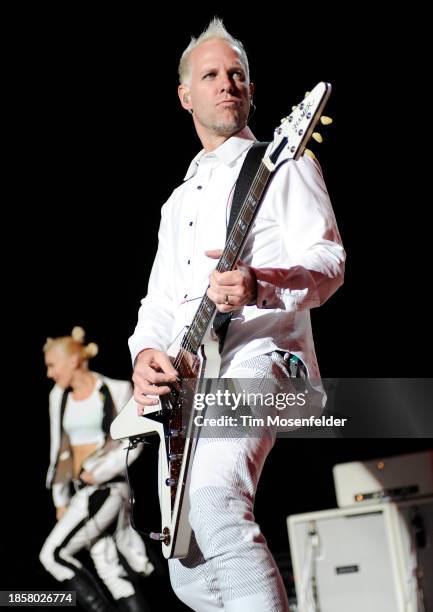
x,y
214,30
73,344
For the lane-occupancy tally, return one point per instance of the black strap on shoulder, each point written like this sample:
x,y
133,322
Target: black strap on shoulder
x,y
245,179
108,409
64,399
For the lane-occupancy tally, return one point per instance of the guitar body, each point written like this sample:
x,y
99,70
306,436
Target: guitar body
x,y
178,438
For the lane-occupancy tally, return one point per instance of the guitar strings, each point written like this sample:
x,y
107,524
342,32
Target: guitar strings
x,y
186,342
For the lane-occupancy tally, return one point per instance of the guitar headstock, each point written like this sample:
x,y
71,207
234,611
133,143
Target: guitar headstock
x,y
291,137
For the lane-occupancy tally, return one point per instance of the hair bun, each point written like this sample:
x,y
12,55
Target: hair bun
x,y
91,349
78,334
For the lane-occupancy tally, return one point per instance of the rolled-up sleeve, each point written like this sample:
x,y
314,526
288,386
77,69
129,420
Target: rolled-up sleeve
x,y
310,241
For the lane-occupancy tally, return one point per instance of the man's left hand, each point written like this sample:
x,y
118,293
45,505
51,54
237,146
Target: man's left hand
x,y
234,289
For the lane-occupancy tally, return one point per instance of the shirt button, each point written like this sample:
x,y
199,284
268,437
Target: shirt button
x,y
199,187
190,223
189,261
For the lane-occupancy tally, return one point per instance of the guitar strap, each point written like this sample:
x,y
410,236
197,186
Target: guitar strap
x,y
248,172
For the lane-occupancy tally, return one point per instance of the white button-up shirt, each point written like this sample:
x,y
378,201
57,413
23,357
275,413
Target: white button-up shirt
x,y
294,248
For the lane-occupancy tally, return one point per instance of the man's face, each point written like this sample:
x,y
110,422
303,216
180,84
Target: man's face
x,y
219,91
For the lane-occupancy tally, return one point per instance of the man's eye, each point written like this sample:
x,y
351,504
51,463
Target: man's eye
x,y
209,74
238,75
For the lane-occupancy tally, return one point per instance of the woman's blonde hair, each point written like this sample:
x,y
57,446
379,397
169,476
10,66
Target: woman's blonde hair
x,y
73,344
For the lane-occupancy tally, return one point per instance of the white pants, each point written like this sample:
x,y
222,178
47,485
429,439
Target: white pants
x,y
92,511
229,566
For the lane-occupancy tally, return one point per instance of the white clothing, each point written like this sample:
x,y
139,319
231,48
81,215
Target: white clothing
x,y
103,465
82,420
294,247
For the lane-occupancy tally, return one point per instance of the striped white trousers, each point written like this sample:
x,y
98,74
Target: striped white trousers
x,y
229,566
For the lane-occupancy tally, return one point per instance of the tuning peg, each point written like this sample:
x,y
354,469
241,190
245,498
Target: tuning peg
x,y
325,120
307,93
310,153
294,107
317,137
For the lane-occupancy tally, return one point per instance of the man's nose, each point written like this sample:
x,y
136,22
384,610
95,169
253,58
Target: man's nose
x,y
226,83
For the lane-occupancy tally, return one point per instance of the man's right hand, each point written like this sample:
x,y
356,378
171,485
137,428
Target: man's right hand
x,y
152,368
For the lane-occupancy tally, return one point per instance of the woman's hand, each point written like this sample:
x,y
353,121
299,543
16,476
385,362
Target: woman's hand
x,y
87,477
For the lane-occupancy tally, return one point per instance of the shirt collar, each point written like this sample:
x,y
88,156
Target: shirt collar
x,y
226,153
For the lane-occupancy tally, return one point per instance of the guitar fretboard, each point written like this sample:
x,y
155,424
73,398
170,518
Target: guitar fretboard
x,y
234,244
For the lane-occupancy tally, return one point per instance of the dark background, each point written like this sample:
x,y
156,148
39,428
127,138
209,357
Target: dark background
x,y
98,143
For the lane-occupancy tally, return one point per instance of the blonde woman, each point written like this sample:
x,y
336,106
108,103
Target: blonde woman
x,y
84,458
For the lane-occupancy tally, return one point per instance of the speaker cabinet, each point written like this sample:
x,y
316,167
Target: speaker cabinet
x,y
374,558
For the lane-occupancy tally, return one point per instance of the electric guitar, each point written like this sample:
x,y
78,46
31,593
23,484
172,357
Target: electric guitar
x,y
196,354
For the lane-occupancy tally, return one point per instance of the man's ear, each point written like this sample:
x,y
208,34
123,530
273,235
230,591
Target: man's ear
x,y
252,89
184,97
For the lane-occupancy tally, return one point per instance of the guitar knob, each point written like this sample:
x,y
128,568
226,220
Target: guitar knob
x,y
154,535
324,120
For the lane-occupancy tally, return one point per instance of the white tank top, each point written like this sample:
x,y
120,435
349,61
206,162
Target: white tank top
x,y
82,420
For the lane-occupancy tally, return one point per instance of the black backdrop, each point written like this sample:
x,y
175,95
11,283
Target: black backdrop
x,y
99,141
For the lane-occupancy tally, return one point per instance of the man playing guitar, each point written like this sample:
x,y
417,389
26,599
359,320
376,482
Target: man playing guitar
x,y
292,261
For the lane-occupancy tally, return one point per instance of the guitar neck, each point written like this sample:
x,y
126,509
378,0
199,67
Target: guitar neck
x,y
235,242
